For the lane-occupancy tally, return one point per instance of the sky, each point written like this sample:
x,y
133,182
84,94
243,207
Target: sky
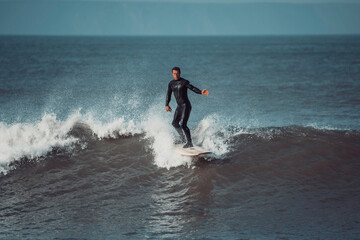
x,y
179,17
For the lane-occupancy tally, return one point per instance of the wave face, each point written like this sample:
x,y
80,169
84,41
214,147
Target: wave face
x,y
86,146
101,177
33,142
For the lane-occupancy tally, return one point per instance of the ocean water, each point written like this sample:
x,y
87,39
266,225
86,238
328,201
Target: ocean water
x,y
86,146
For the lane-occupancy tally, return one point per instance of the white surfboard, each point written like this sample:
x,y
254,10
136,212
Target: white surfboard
x,y
192,151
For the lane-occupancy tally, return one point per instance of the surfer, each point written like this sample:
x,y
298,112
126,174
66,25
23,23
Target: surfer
x,y
179,86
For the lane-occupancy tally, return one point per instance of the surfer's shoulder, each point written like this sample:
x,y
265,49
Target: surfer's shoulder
x,y
185,81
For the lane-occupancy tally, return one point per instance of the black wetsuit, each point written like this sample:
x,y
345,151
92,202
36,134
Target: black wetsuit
x,y
182,112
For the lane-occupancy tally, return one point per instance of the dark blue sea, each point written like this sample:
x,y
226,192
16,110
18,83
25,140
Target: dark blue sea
x,y
86,146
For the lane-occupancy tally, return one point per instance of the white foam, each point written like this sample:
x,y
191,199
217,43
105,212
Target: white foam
x,y
158,128
118,127
33,140
322,127
207,134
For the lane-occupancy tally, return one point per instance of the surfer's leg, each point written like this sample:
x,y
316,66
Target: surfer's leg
x,y
184,119
175,123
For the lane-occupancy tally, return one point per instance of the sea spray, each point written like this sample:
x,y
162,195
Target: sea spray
x,y
211,134
28,140
33,140
118,127
160,131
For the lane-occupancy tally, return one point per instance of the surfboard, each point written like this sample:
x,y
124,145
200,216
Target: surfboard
x,y
193,151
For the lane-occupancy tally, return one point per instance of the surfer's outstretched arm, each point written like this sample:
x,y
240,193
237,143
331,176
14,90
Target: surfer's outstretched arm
x,y
196,90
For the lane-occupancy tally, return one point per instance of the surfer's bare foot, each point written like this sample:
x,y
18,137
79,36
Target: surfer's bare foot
x,y
188,145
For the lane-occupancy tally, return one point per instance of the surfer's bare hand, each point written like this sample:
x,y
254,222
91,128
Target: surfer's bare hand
x,y
205,92
168,108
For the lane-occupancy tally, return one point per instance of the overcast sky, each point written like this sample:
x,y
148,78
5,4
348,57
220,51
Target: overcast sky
x,y
179,17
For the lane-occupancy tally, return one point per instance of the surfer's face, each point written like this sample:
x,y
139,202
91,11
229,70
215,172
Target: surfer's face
x,y
176,74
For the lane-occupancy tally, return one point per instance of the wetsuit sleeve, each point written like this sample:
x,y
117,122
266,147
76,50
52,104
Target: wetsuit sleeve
x,y
168,95
192,88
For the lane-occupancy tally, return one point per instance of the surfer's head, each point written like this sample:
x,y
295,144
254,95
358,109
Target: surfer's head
x,y
176,73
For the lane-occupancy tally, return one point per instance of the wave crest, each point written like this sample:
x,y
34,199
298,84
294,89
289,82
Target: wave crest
x,y
33,140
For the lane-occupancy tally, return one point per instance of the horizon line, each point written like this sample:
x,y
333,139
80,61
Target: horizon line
x,y
189,35
194,2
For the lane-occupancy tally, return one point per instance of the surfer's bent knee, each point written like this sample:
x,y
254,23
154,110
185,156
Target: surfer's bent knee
x,y
175,124
184,126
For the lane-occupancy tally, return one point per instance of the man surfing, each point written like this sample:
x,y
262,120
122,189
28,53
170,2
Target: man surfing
x,y
179,86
